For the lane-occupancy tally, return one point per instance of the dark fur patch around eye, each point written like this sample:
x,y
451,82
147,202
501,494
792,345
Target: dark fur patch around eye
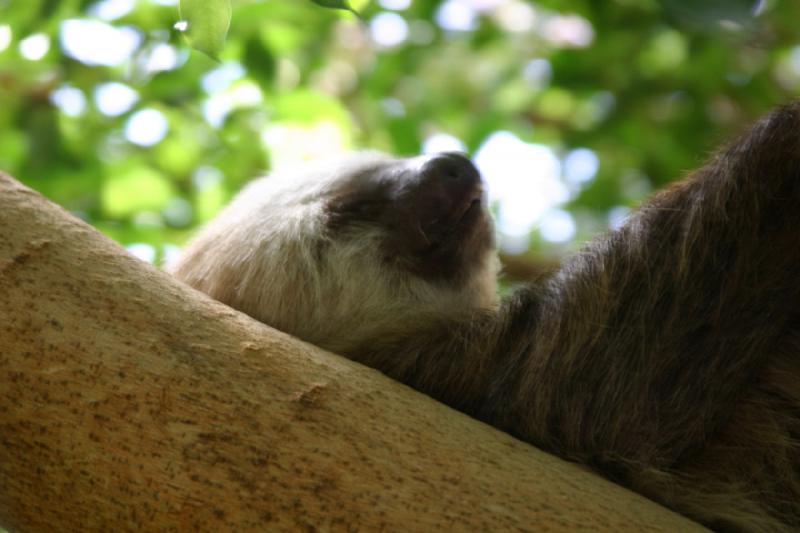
x,y
347,211
364,200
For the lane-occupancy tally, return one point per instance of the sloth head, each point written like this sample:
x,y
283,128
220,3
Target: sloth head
x,y
338,252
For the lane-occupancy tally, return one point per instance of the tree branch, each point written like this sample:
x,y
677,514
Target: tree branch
x,y
128,400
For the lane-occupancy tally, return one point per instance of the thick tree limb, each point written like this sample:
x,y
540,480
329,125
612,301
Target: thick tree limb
x,y
130,401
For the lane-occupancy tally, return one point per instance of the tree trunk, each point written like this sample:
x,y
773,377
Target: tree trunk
x,y
129,401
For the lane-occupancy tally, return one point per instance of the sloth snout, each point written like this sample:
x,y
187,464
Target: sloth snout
x,y
449,187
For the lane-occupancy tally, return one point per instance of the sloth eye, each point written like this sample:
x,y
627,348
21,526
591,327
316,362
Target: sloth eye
x,y
351,211
366,208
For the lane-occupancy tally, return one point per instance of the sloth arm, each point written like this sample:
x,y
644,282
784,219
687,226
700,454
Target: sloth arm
x,y
636,350
644,341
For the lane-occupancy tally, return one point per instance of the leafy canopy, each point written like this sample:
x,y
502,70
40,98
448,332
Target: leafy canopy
x,y
573,110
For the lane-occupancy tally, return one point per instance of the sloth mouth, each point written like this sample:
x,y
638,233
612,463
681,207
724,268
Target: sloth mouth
x,y
471,211
463,219
448,249
441,235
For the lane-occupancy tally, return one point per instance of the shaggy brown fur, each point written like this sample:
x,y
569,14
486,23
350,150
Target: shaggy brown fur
x,y
665,356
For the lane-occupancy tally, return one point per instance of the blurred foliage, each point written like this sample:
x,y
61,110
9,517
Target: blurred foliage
x,y
207,23
107,111
337,4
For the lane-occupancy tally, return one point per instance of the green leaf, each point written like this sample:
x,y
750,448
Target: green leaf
x,y
207,24
337,4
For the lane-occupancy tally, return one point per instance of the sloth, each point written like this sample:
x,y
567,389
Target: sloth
x,y
664,356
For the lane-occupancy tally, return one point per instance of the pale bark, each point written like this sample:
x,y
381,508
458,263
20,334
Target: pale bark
x,y
129,401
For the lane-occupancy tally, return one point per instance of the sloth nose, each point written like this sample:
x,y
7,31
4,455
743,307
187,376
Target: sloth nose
x,y
449,186
454,169
448,180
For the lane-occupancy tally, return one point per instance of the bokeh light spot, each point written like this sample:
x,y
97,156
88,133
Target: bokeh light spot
x,y
5,36
457,15
557,225
34,47
523,180
580,166
69,100
388,29
112,9
97,43
114,98
442,142
146,127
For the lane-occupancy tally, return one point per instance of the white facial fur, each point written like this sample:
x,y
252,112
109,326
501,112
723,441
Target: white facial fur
x,y
270,254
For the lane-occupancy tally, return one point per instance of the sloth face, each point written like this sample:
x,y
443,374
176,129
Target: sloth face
x,y
339,251
429,213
